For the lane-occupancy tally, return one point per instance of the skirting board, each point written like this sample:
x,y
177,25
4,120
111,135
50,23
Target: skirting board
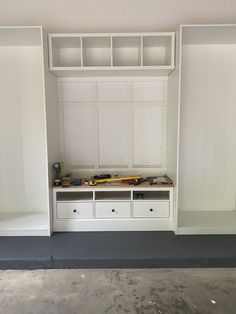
x,y
152,224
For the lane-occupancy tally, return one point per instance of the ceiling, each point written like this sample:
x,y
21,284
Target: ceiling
x,y
115,15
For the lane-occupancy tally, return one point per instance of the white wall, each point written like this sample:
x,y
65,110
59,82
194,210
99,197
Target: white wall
x,y
115,15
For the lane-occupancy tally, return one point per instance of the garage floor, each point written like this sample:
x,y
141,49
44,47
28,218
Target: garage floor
x,y
165,291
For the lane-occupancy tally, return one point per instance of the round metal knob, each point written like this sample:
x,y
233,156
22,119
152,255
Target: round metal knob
x,y
151,209
113,210
74,210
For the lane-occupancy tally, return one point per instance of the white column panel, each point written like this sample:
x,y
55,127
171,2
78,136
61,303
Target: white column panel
x,y
147,135
78,135
207,178
23,158
113,135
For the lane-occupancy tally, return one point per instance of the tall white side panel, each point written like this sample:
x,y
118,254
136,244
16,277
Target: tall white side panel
x,y
172,116
208,129
23,158
52,115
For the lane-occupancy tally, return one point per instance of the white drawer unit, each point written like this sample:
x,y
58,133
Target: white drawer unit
x,y
74,210
113,210
153,209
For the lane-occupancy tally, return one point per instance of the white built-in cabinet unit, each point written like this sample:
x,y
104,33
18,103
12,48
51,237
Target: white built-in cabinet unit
x,y
119,103
202,111
112,54
24,193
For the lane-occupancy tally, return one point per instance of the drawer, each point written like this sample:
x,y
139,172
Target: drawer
x,y
155,209
113,210
74,210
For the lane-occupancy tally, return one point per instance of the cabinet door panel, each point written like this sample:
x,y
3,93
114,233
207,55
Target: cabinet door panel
x,y
78,91
147,135
147,91
113,135
79,136
112,91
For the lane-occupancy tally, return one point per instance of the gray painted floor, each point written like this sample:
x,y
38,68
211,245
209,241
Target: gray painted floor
x,y
167,291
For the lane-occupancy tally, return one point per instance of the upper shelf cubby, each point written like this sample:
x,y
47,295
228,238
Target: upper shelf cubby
x,y
157,50
96,51
126,51
66,52
137,54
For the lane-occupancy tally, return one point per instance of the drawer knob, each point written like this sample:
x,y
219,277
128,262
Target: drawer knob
x,y
151,209
74,210
113,210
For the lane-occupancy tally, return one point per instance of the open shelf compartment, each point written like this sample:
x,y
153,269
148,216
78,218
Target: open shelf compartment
x,y
113,195
126,51
206,222
96,51
157,50
24,223
66,51
151,195
74,196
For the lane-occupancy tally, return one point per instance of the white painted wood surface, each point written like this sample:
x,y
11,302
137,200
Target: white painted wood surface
x,y
72,210
101,127
113,135
148,209
114,208
206,183
78,54
24,224
147,91
77,91
78,135
23,161
147,135
113,91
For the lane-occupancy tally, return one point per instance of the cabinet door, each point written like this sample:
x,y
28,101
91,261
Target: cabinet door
x,y
147,135
112,91
73,91
113,135
147,91
78,135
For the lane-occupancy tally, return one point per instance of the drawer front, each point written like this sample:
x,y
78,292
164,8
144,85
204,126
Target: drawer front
x,y
155,209
74,210
113,210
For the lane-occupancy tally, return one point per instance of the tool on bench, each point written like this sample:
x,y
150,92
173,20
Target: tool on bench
x,y
93,182
159,180
57,166
77,181
102,176
66,180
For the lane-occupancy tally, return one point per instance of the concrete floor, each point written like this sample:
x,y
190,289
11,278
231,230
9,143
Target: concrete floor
x,y
167,291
